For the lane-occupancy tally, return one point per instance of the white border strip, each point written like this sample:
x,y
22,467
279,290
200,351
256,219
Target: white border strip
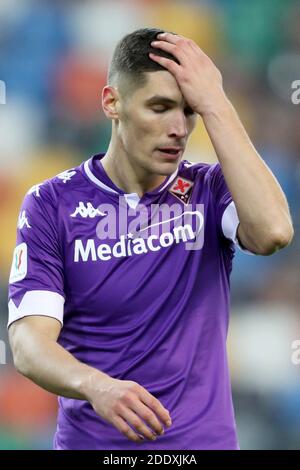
x,y
95,180
172,177
230,222
37,302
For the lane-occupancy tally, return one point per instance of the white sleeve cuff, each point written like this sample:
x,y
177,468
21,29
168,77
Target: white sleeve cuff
x,y
230,222
37,302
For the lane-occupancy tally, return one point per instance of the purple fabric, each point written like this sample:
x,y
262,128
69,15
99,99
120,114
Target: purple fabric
x,y
159,318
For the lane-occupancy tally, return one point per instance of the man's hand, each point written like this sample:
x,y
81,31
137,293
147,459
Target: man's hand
x,y
123,403
197,76
265,221
126,405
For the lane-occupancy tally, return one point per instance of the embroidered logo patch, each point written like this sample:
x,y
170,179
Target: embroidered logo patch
x,y
182,189
19,263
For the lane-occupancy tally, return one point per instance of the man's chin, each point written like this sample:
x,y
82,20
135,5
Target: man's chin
x,y
166,166
165,169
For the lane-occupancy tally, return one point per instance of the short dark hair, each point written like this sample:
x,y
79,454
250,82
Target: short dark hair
x,y
131,57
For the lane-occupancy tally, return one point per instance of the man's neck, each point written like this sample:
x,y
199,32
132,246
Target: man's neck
x,y
131,180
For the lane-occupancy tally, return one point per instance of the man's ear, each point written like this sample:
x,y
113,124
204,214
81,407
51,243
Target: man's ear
x,y
110,102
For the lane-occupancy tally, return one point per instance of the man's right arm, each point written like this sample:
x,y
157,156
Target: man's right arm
x,y
38,356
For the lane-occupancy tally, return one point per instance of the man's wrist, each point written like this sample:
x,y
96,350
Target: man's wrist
x,y
219,106
90,383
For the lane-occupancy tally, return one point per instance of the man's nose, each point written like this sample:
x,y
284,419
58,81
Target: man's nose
x,y
178,126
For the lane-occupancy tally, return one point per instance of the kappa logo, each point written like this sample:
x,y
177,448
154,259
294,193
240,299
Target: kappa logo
x,y
182,189
23,221
87,210
66,175
35,189
188,164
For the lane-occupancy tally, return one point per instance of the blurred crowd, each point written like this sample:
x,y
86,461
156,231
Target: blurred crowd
x,y
53,60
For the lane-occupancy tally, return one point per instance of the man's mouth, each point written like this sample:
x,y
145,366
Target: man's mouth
x,y
170,152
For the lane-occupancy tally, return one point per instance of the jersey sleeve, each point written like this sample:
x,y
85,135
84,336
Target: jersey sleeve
x,y
36,283
226,213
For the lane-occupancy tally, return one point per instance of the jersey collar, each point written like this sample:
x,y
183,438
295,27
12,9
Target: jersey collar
x,y
96,173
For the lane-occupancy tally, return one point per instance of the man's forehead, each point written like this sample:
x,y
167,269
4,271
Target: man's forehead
x,y
161,86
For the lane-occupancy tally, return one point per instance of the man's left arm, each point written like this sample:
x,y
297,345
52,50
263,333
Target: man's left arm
x,y
265,221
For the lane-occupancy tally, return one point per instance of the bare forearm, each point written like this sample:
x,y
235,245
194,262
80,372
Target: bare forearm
x,y
38,356
53,368
261,204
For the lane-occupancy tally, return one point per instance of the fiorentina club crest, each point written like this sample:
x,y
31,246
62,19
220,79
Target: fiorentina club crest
x,y
182,189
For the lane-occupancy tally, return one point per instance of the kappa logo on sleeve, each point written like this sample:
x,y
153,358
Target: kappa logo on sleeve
x,y
66,175
35,189
23,221
19,263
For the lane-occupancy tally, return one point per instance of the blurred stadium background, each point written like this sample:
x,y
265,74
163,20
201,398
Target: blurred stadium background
x,y
53,60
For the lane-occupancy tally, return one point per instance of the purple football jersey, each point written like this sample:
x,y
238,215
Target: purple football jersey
x,y
142,294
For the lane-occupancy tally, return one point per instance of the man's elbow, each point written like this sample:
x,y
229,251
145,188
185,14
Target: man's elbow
x,y
278,239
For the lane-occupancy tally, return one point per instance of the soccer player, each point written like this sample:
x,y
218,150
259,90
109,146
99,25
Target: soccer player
x,y
126,318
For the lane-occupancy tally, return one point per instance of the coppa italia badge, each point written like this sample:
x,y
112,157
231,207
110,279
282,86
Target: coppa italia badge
x,y
182,189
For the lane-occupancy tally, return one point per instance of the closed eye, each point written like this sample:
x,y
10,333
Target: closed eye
x,y
161,109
